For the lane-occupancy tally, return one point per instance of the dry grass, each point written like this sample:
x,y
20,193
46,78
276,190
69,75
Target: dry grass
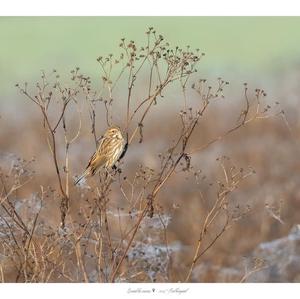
x,y
185,191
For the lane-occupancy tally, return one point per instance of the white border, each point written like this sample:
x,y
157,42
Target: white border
x,y
150,7
206,290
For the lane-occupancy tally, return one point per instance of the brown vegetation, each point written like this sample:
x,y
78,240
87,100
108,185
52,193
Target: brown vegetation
x,y
184,192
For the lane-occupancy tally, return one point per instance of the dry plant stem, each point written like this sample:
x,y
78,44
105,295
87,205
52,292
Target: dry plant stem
x,y
197,254
1,273
53,150
218,207
257,267
246,119
132,78
10,210
157,187
171,76
99,253
151,100
52,146
136,227
162,181
67,147
80,261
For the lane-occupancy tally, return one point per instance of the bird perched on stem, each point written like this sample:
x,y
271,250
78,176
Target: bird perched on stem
x,y
109,151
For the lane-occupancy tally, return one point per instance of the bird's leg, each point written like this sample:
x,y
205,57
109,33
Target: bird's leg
x,y
108,174
116,169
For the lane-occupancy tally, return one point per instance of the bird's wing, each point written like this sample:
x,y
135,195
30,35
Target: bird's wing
x,y
105,146
96,161
101,156
98,158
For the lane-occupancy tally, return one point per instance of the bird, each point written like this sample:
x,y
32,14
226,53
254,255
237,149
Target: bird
x,y
110,150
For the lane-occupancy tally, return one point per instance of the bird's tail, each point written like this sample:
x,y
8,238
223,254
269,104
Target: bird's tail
x,y
83,176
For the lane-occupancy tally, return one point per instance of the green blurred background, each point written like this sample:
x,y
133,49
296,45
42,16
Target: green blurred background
x,y
232,44
263,51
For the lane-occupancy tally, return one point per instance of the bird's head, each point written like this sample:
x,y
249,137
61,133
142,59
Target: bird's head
x,y
114,132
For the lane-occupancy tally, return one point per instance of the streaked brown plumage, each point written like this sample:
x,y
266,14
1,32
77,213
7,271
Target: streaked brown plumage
x,y
108,153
